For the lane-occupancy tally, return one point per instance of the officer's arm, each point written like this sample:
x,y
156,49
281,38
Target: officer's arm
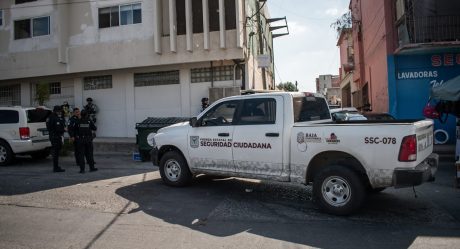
x,y
70,129
92,126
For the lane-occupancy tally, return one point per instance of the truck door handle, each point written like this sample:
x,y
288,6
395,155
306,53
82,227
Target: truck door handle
x,y
272,134
223,134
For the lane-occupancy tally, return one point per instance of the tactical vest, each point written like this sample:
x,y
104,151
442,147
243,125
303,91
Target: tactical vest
x,y
84,128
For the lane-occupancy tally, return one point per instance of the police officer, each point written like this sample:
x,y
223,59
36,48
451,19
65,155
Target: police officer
x,y
82,133
56,127
91,109
73,121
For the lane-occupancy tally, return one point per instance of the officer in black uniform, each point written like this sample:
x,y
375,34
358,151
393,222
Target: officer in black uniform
x,y
91,109
56,127
82,132
73,121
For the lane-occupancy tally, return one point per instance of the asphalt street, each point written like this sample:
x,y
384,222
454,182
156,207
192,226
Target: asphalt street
x,y
126,205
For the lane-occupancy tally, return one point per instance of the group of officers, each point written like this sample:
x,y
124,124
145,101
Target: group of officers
x,y
81,129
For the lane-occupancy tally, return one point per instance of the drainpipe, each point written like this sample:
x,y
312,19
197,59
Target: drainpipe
x,y
212,76
234,74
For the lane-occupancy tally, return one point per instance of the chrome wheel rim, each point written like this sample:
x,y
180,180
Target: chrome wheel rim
x,y
336,191
2,154
172,170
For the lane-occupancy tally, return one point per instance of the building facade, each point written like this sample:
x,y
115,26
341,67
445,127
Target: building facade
x,y
136,59
348,87
402,48
329,86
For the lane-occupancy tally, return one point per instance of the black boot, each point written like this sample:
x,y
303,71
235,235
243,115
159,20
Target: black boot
x,y
59,169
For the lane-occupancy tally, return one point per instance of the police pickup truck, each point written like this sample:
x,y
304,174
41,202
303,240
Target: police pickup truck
x,y
290,137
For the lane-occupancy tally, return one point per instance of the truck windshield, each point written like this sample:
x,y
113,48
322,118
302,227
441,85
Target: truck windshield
x,y
37,115
310,108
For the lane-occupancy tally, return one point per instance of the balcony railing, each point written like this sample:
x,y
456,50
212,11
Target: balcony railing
x,y
429,29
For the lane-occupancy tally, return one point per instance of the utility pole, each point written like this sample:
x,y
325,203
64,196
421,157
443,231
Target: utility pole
x,y
261,43
296,88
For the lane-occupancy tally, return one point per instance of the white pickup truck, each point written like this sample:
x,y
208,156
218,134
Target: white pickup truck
x,y
290,137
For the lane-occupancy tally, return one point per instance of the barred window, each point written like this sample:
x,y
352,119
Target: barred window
x,y
156,78
55,88
98,82
10,95
221,73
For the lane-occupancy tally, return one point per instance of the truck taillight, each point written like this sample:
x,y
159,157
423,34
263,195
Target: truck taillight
x,y
408,150
24,133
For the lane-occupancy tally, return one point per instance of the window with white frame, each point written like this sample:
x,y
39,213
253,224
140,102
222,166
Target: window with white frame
x,y
55,88
120,15
33,27
156,78
97,82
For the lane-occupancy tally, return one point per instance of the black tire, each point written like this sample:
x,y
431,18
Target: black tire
x,y
338,190
376,190
174,170
40,155
6,154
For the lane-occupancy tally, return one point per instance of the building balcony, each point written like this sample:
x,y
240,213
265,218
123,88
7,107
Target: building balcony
x,y
429,30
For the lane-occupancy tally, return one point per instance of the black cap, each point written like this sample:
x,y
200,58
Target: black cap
x,y
89,99
57,108
204,99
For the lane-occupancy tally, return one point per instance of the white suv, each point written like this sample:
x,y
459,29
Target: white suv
x,y
23,131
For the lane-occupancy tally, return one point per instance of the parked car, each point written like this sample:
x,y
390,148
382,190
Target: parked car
x,y
23,132
378,116
346,114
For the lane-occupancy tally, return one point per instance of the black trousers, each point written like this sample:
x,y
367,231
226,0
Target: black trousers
x,y
56,145
84,149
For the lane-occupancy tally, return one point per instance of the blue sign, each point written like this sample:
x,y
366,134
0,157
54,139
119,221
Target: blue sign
x,y
410,79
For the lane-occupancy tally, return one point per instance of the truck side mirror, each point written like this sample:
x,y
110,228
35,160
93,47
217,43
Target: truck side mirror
x,y
193,122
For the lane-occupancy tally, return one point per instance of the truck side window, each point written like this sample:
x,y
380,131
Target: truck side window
x,y
221,114
258,111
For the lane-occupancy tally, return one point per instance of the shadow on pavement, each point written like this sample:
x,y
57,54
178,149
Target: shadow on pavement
x,y
27,175
228,206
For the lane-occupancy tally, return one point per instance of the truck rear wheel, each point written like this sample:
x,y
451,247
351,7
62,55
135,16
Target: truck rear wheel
x,y
6,154
338,190
174,170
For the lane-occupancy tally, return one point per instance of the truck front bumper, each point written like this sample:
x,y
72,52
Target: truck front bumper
x,y
424,172
154,156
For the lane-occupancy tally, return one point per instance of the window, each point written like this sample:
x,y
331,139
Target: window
x,y
180,17
221,73
55,88
221,114
120,15
24,1
98,82
156,78
9,117
197,16
310,108
213,8
258,111
1,18
10,95
37,115
230,14
28,28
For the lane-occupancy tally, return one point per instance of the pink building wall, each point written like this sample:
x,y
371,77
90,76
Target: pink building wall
x,y
373,36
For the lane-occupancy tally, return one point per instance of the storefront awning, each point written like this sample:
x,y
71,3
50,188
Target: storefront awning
x,y
449,90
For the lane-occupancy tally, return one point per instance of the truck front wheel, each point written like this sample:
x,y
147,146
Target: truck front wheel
x,y
174,170
338,190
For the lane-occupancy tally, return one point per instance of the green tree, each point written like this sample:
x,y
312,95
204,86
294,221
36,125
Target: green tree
x,y
42,93
287,86
345,21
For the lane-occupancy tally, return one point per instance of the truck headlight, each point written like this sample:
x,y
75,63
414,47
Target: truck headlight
x,y
151,139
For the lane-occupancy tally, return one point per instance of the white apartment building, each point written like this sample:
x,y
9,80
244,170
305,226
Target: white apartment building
x,y
329,86
135,58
